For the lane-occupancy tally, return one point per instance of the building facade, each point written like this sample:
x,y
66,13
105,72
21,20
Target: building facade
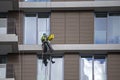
x,y
86,44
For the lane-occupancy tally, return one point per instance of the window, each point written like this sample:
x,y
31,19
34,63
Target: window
x,y
93,67
35,25
3,60
55,72
114,28
3,23
107,26
100,28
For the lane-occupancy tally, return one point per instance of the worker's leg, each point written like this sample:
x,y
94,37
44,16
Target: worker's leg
x,y
45,60
50,47
45,49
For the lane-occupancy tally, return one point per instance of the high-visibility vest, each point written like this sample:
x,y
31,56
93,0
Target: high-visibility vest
x,y
44,38
51,37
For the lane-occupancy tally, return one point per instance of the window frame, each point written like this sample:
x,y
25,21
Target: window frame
x,y
93,59
36,15
54,56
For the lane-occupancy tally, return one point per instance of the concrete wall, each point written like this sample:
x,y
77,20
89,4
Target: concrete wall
x,y
73,27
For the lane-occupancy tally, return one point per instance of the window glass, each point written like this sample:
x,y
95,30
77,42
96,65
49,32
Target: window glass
x,y
100,28
107,26
57,69
43,25
93,68
35,25
3,61
53,71
3,23
30,30
99,68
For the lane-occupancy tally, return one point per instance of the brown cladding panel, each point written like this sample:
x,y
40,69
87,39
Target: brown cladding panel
x,y
72,27
28,69
15,24
113,66
58,27
71,67
86,27
11,29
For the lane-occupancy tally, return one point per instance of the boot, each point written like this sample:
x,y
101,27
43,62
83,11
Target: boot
x,y
52,61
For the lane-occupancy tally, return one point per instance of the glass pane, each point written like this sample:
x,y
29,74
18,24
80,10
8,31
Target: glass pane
x,y
3,25
99,68
2,70
30,30
100,28
3,59
43,72
43,27
57,69
114,28
86,68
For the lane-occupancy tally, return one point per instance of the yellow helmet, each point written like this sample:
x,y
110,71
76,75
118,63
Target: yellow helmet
x,y
51,37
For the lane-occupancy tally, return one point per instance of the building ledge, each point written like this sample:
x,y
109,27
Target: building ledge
x,y
73,47
8,38
70,5
10,79
8,43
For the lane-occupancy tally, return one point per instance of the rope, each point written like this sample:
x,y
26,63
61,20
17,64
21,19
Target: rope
x,y
20,56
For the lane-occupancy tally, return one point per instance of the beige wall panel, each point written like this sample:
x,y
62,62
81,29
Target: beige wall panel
x,y
86,27
72,27
15,60
71,67
29,67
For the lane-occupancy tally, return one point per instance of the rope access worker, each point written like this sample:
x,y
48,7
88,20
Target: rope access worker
x,y
46,46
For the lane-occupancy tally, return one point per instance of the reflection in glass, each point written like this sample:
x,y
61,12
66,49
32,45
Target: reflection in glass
x,y
93,68
43,72
3,25
3,61
114,28
107,27
86,68
99,69
35,25
2,71
56,70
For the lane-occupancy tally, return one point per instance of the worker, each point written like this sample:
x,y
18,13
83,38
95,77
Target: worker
x,y
46,46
